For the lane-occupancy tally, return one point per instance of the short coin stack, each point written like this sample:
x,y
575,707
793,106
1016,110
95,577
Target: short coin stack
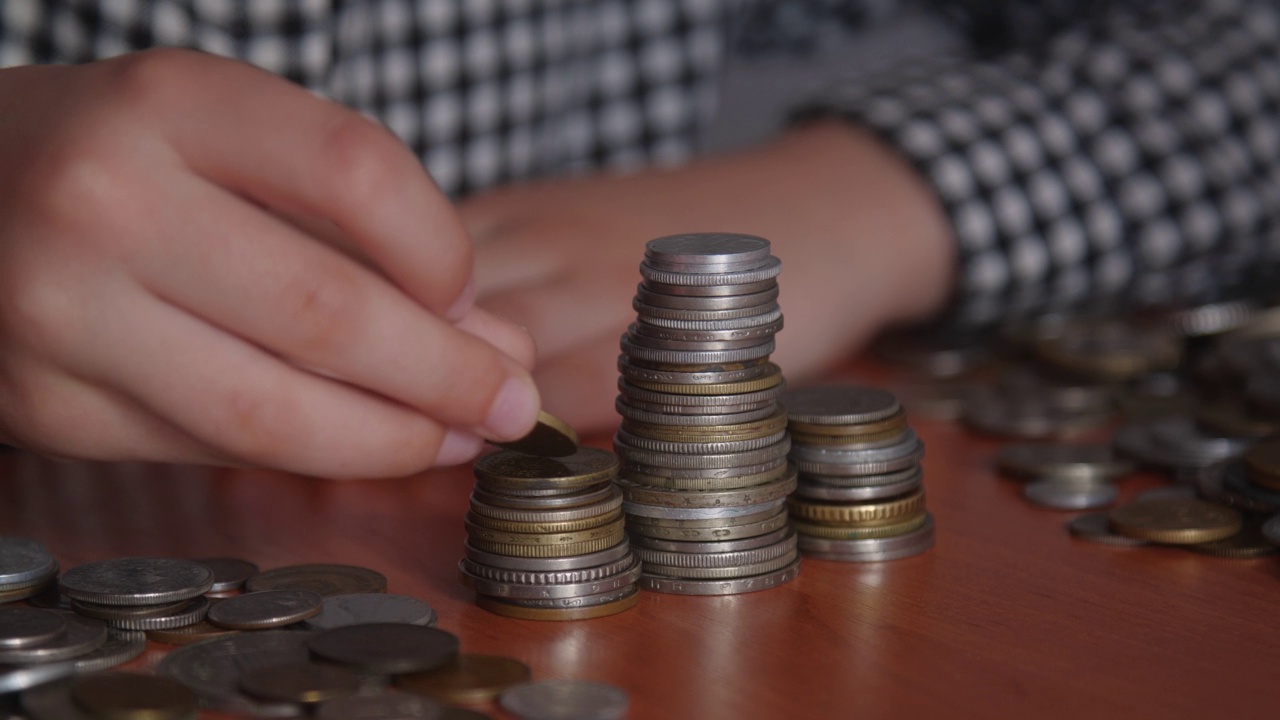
x,y
860,496
545,537
703,439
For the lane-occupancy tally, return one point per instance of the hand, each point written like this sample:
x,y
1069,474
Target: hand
x,y
862,240
201,262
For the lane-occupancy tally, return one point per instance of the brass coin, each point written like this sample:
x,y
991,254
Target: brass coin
x,y
832,532
773,379
322,579
550,437
587,466
129,696
896,422
302,682
545,528
469,680
1249,543
550,551
1263,462
498,607
599,532
873,514
1176,521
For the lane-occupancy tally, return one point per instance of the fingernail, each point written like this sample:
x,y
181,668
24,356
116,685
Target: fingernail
x,y
464,303
514,410
458,447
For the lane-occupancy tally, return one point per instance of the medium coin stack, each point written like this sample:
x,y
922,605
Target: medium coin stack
x,y
860,496
545,537
703,439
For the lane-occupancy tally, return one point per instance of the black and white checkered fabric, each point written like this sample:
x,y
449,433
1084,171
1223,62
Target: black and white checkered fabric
x,y
1136,154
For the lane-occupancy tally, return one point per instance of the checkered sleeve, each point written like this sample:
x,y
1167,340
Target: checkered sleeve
x,y
1133,160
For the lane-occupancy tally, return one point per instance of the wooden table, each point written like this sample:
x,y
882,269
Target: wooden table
x,y
1007,617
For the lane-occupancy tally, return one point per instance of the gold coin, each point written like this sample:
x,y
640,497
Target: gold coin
x,y
550,437
1263,463
476,532
833,532
550,551
468,680
130,696
732,388
506,468
873,514
543,528
1176,521
499,607
896,422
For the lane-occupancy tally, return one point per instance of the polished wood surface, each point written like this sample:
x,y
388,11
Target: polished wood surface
x,y
1008,616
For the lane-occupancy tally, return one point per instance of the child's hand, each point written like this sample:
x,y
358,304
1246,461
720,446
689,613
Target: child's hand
x,y
202,262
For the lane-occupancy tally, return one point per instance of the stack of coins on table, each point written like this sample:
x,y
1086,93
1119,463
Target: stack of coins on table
x,y
545,538
860,497
703,439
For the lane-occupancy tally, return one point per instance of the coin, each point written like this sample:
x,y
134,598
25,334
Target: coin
x,y
509,590
342,610
696,513
1064,461
383,706
121,647
189,634
577,499
468,680
551,564
637,350
265,609
518,549
136,581
719,532
506,469
712,291
728,586
128,612
129,696
23,563
687,499
1249,543
321,579
767,293
706,252
303,682
190,612
565,700
1096,527
839,405
768,269
1271,530
875,549
550,437
1176,521
24,627
707,318
82,635
712,559
1060,494
17,679
810,490
52,701
228,573
731,482
704,423
543,528
886,512
609,501
770,316
562,577
386,648
669,338
213,669
511,608
715,546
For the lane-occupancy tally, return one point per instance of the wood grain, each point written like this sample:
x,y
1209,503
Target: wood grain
x,y
1007,617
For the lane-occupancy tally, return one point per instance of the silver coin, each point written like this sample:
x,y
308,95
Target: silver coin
x,y
839,405
733,586
23,627
720,533
706,250
265,609
629,468
1096,527
1271,530
1174,442
704,291
383,706
750,556
612,501
818,491
1070,494
687,499
121,647
764,567
573,562
720,513
583,498
653,418
905,444
890,478
767,270
639,396
751,543
53,701
1026,418
23,562
885,549
16,679
228,573
768,407
564,577
679,461
213,668
716,338
343,610
911,457
127,612
631,371
694,357
851,444
1068,461
766,316
136,581
496,588
192,612
565,700
568,603
647,298
82,635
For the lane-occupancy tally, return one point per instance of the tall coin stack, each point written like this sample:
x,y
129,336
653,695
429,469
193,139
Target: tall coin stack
x,y
860,496
703,440
545,537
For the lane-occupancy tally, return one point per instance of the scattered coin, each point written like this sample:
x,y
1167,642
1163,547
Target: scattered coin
x,y
342,610
387,648
213,669
82,635
468,680
1064,461
136,581
24,563
121,647
229,574
565,700
129,696
265,609
1058,494
550,437
1096,527
383,706
1249,543
1176,521
305,683
322,579
24,627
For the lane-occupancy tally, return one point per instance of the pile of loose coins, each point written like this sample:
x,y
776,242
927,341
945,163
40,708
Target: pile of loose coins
x,y
322,641
545,536
703,439
860,496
